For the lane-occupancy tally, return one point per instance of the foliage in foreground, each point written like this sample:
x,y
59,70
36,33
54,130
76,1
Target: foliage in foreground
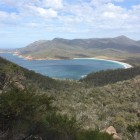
x,y
114,104
93,135
102,78
27,115
134,130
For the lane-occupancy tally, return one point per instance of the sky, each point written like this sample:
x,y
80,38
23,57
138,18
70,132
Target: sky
x,y
25,21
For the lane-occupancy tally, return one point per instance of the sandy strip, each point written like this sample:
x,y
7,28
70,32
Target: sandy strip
x,y
125,65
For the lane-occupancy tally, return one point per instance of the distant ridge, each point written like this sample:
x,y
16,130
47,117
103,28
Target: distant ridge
x,y
60,48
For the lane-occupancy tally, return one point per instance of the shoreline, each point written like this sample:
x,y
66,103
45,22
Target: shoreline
x,y
32,58
125,65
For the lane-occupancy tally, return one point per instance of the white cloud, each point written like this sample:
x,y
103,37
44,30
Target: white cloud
x,y
32,24
96,15
54,4
3,14
100,2
46,13
8,18
109,15
8,2
86,14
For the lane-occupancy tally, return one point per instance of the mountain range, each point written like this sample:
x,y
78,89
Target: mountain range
x,y
59,48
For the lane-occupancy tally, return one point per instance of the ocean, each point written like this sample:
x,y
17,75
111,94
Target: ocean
x,y
63,69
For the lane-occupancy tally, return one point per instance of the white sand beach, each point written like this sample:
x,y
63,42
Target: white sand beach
x,y
125,65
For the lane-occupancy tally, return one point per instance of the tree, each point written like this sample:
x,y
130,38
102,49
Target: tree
x,y
11,75
19,110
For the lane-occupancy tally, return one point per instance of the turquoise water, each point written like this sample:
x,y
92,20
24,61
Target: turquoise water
x,y
63,69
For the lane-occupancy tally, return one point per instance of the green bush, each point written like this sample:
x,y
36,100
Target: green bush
x,y
20,109
58,127
110,76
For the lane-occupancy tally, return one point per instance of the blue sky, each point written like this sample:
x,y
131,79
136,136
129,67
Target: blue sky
x,y
25,21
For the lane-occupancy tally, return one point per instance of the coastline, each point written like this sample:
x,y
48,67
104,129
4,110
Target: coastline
x,y
125,65
32,58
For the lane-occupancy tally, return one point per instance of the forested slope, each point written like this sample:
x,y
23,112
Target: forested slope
x,y
32,105
27,113
110,76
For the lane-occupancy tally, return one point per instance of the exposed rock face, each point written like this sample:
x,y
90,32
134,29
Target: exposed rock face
x,y
19,85
116,137
138,113
112,131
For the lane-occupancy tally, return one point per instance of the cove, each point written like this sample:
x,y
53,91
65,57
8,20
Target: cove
x,y
63,69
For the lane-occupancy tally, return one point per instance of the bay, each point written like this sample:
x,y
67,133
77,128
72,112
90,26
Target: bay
x,y
63,69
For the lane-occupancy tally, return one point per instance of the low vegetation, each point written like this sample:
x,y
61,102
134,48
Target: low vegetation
x,y
33,106
120,47
102,78
26,114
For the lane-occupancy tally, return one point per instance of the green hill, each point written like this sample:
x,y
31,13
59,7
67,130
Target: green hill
x,y
102,78
119,47
32,105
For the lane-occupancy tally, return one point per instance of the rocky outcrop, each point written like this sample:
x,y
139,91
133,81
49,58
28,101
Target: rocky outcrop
x,y
112,131
138,113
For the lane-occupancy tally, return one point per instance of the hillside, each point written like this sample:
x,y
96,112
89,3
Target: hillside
x,y
28,77
119,47
95,105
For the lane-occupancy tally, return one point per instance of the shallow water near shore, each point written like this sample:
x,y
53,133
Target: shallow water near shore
x,y
63,69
